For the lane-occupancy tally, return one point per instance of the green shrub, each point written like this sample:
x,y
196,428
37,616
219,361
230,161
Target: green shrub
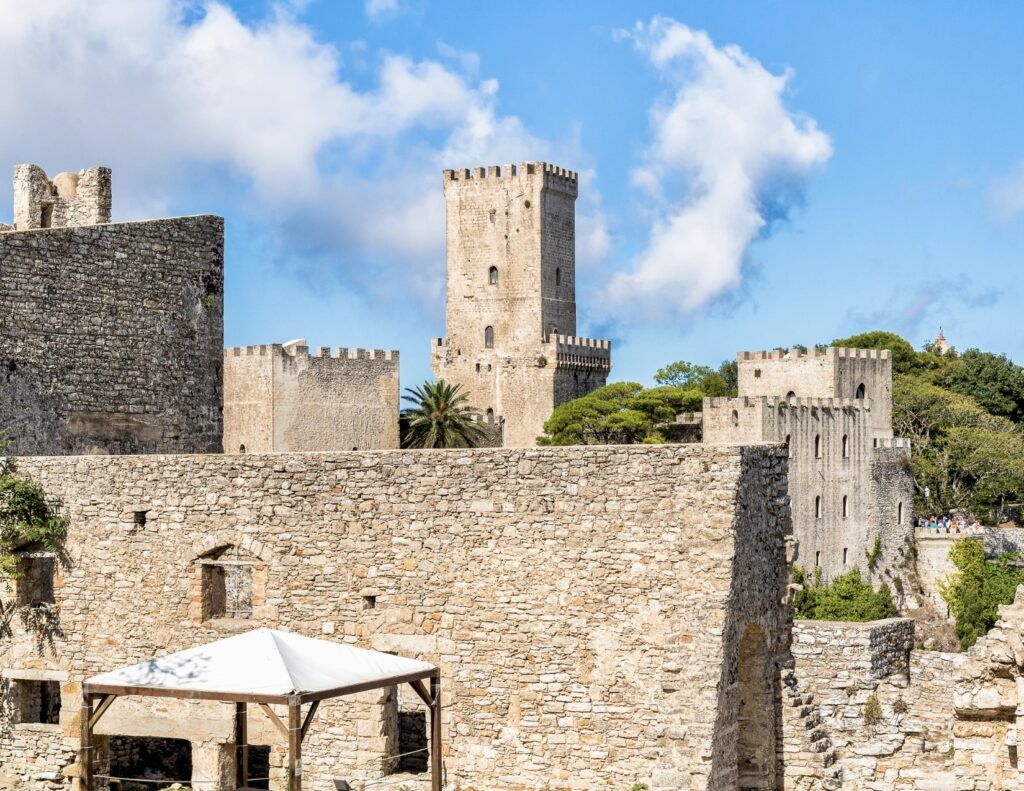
x,y
976,590
847,598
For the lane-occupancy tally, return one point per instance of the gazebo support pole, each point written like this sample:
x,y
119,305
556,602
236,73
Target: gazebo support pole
x,y
294,744
85,747
242,744
435,734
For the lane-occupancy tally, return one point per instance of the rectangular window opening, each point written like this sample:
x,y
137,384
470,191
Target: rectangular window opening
x,y
35,585
36,701
844,556
227,590
412,741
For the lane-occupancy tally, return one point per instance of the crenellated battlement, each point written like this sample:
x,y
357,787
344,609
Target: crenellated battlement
x,y
812,353
891,442
773,402
572,351
323,352
554,176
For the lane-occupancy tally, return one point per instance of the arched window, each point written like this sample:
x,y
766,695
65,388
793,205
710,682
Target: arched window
x,y
735,417
241,448
490,415
817,507
492,275
860,391
846,506
552,328
899,513
817,446
558,276
791,394
846,446
489,337
844,556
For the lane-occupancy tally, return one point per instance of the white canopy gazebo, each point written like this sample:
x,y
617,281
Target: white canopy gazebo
x,y
264,666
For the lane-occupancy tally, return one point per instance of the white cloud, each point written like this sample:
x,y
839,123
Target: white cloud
x,y
170,94
378,10
1007,194
726,159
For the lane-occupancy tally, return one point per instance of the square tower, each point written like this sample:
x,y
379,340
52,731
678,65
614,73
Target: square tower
x,y
511,296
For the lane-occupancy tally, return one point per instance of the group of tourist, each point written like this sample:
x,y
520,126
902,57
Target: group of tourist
x,y
947,524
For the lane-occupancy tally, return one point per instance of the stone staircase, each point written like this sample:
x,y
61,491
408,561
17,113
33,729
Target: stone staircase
x,y
813,747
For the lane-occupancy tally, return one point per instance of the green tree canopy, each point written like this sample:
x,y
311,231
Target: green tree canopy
x,y
619,414
905,359
992,380
440,418
26,520
976,590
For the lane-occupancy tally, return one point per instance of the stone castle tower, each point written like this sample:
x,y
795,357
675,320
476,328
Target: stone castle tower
x,y
511,301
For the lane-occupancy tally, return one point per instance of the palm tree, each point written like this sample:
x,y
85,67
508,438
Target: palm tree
x,y
440,418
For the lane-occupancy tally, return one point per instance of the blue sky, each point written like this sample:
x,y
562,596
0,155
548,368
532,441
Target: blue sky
x,y
753,174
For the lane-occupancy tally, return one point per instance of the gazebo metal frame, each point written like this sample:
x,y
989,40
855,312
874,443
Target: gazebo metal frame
x,y
96,699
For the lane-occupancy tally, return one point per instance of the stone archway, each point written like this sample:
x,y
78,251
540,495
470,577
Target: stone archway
x,y
755,726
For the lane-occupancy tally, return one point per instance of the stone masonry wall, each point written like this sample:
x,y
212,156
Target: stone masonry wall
x,y
586,606
844,670
111,337
283,398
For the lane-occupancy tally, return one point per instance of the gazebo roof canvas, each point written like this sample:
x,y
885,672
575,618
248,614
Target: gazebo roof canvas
x,y
263,665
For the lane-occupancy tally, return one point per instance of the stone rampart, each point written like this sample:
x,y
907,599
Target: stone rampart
x,y
600,615
288,398
112,337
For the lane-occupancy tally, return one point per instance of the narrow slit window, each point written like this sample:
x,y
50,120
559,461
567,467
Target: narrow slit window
x,y
817,507
492,275
817,446
489,337
846,506
846,446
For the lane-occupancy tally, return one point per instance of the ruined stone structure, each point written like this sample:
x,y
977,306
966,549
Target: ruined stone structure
x,y
111,335
850,483
67,201
601,616
283,398
511,297
865,712
934,566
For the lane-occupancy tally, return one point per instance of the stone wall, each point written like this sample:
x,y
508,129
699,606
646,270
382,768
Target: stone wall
x,y
586,606
283,398
510,311
111,337
886,711
900,720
